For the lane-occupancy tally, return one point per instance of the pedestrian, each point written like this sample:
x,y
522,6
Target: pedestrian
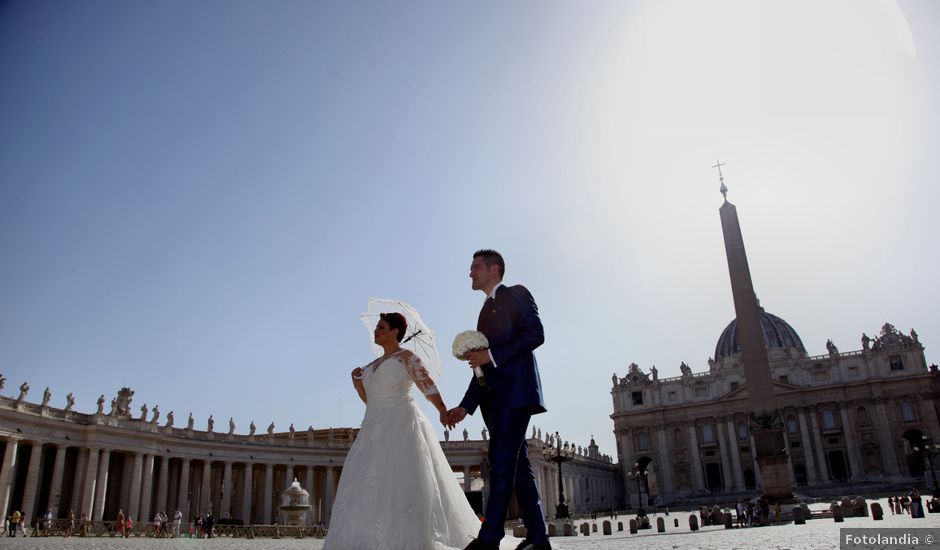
x,y
70,525
120,522
48,523
209,523
917,508
128,525
177,520
156,525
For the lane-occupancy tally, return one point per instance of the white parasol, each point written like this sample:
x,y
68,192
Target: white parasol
x,y
418,337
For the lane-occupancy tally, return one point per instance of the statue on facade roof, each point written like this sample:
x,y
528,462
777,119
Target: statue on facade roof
x,y
143,412
252,428
210,424
69,402
46,397
614,379
156,414
100,404
866,342
466,435
3,381
24,389
446,434
114,407
831,348
123,401
231,425
686,371
914,337
290,431
169,419
654,373
190,422
485,434
271,428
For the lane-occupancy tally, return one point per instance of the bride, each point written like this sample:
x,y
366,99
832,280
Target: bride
x,y
397,490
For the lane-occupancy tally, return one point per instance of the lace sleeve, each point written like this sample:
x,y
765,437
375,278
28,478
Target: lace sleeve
x,y
419,374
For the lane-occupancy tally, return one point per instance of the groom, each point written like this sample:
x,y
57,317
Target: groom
x,y
513,393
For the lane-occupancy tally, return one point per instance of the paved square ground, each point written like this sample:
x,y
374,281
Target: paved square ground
x,y
817,534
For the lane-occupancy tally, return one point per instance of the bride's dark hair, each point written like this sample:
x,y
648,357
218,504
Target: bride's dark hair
x,y
397,321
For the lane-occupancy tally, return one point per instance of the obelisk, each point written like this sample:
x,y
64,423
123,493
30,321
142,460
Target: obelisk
x,y
766,426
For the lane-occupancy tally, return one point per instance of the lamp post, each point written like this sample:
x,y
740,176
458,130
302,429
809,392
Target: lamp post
x,y
558,455
639,475
929,449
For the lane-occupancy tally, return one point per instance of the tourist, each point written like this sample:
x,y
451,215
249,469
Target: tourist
x,y
70,525
128,525
917,509
156,525
83,527
177,520
120,522
891,505
209,524
14,523
48,523
904,504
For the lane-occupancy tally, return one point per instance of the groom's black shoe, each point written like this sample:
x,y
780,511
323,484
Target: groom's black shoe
x,y
477,544
529,545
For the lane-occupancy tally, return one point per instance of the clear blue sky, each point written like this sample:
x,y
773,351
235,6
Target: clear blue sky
x,y
198,199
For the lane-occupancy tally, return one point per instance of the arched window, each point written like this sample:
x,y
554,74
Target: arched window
x,y
792,426
708,434
742,430
642,441
862,415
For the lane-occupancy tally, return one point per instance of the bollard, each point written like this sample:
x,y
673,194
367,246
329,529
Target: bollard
x,y
552,530
569,530
660,525
593,527
798,518
607,529
693,522
585,529
837,513
877,513
728,523
861,511
675,522
632,526
848,509
620,526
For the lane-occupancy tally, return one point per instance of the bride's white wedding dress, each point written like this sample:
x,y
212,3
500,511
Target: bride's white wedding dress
x,y
397,491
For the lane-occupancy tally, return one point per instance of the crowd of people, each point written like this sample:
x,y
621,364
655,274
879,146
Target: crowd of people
x,y
163,526
911,504
749,514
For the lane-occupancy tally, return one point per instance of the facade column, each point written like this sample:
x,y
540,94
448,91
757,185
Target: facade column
x,y
851,448
626,464
330,488
817,440
246,495
7,474
184,490
727,474
227,492
32,481
889,456
58,472
133,507
146,490
807,449
665,475
696,460
268,489
735,452
163,484
78,483
102,484
466,479
205,493
91,477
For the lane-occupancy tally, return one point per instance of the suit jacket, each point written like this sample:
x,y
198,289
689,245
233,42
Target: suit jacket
x,y
511,324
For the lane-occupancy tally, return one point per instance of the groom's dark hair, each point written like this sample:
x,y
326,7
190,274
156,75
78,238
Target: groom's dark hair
x,y
396,321
491,258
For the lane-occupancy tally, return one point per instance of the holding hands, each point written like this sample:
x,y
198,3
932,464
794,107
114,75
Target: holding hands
x,y
453,417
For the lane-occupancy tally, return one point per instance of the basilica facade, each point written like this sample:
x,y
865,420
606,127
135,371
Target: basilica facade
x,y
97,463
858,418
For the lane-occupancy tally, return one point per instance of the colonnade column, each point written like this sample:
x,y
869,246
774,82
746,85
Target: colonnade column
x,y
328,513
246,495
58,471
146,489
227,492
78,483
808,457
91,477
313,496
466,479
183,492
268,489
205,493
32,481
163,484
7,472
101,485
133,507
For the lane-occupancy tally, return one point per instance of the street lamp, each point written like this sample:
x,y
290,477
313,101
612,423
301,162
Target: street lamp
x,y
559,454
639,475
930,449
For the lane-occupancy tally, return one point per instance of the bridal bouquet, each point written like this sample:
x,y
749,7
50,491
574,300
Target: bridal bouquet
x,y
467,341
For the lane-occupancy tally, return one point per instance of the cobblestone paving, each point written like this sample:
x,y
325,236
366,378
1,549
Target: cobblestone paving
x,y
817,534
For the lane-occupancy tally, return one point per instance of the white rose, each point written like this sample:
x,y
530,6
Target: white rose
x,y
467,341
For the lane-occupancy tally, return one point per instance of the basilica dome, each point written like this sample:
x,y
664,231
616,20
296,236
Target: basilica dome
x,y
777,334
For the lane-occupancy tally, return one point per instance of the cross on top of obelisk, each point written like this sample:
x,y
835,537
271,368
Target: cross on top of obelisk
x,y
721,178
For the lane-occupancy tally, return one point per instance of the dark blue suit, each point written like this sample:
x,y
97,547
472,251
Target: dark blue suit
x,y
514,393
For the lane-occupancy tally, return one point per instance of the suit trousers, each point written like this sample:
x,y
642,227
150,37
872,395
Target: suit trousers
x,y
510,471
